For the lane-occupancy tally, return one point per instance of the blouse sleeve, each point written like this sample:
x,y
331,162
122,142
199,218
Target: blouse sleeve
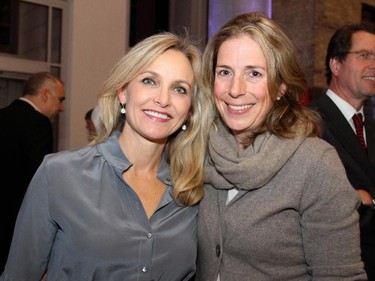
x,y
330,222
34,233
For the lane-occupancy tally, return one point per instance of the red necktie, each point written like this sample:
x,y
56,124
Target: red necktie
x,y
358,123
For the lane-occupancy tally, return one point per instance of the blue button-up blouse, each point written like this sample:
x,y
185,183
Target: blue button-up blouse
x,y
81,221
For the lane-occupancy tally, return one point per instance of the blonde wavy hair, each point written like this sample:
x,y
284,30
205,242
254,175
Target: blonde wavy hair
x,y
287,118
185,150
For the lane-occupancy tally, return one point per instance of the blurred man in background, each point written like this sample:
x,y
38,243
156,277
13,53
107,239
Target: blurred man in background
x,y
350,72
26,136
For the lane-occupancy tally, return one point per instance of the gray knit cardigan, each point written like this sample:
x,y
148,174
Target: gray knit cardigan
x,y
294,218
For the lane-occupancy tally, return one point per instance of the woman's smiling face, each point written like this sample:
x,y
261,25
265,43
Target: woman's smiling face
x,y
240,88
158,100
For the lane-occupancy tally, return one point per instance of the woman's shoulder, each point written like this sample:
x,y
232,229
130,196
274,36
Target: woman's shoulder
x,y
314,150
70,156
316,144
321,155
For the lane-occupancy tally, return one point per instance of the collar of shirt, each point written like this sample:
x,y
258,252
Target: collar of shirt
x,y
31,103
346,109
111,151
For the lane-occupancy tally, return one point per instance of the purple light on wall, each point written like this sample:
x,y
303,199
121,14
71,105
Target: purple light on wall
x,y
219,12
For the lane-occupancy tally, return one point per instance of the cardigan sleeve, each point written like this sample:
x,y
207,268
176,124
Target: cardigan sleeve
x,y
330,222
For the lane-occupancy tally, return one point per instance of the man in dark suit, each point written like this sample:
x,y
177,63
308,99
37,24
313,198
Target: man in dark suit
x,y
350,72
25,138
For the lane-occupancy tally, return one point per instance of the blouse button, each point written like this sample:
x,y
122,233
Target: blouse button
x,y
149,235
144,269
218,250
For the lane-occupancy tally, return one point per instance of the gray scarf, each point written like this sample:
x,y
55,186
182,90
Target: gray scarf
x,y
249,169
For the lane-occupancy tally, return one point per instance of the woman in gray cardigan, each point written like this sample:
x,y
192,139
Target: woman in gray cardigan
x,y
277,204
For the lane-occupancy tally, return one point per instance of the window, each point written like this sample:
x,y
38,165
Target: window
x,y
32,35
32,38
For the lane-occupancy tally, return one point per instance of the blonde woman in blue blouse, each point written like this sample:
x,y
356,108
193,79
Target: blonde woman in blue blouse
x,y
124,208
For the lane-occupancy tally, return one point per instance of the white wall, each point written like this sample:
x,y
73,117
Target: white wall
x,y
98,38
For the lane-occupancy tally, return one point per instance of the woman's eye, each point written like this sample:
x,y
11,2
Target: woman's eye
x,y
255,73
180,90
223,72
148,81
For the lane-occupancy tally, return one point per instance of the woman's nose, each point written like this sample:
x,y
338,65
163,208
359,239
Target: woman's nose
x,y
237,87
162,98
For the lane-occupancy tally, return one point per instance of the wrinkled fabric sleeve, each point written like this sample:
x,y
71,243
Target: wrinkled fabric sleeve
x,y
34,233
330,222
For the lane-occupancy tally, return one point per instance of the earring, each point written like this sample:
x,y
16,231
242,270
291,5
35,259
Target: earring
x,y
123,110
184,127
278,98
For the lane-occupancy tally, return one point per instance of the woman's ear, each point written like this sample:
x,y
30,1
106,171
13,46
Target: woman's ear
x,y
282,89
122,95
281,92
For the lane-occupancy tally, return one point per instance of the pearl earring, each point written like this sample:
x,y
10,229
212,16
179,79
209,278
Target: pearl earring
x,y
278,98
184,127
123,110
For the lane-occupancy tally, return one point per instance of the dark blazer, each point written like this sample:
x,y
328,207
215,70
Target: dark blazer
x,y
26,136
359,166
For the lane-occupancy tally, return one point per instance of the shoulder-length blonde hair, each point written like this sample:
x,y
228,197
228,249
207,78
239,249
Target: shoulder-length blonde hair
x,y
185,150
287,118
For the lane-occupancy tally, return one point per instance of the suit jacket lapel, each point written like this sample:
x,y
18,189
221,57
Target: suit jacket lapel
x,y
370,138
339,127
